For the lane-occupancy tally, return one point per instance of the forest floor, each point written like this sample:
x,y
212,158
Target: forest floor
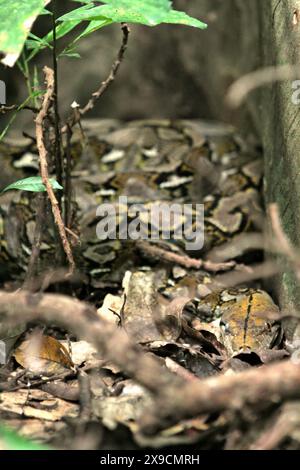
x,y
159,338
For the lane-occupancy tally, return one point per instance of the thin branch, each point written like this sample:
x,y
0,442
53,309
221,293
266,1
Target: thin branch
x,y
283,244
241,88
57,149
75,117
44,165
112,75
185,261
252,273
18,107
287,422
68,180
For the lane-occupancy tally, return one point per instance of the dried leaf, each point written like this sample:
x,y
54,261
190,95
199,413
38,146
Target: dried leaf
x,y
43,355
172,319
191,358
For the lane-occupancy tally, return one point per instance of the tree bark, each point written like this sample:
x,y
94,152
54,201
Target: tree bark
x,y
280,119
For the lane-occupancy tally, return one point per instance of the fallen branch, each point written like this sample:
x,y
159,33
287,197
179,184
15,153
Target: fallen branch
x,y
282,428
44,166
185,261
174,397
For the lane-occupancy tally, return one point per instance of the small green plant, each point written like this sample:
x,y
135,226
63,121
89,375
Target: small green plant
x,y
33,184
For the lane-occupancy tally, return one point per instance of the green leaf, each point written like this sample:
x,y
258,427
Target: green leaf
x,y
17,18
33,183
147,12
35,44
71,55
10,440
92,27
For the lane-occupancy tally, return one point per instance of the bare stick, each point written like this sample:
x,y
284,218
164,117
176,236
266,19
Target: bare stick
x,y
14,107
287,421
283,245
252,273
112,75
57,150
44,166
75,117
183,260
241,88
82,319
68,181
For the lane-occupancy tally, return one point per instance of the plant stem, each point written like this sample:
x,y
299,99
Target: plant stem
x,y
57,147
48,97
68,186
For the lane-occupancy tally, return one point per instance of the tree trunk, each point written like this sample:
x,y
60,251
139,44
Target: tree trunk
x,y
280,123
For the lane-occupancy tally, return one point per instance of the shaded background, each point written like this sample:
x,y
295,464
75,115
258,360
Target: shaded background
x,y
169,71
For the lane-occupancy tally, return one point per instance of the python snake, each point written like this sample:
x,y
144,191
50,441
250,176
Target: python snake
x,y
188,162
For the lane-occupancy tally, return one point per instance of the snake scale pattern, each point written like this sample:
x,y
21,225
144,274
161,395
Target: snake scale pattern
x,y
188,162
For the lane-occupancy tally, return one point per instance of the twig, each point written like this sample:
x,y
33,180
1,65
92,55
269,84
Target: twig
x,y
14,107
75,117
253,273
287,421
77,113
68,181
183,260
57,149
112,75
244,242
12,387
283,244
44,166
82,319
241,88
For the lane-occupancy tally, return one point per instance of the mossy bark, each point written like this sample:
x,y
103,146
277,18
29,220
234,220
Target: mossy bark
x,y
280,124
